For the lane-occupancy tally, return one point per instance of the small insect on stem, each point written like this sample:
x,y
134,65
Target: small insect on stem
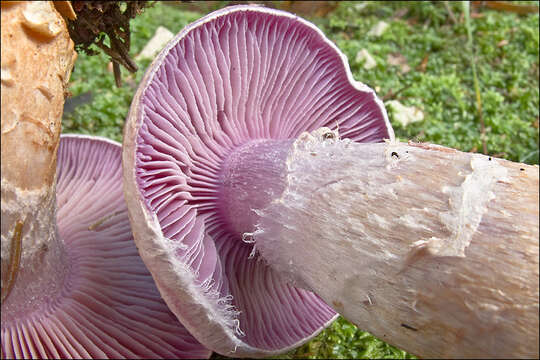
x,y
409,327
329,136
99,225
9,276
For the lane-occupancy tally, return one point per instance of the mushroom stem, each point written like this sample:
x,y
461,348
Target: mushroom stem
x,y
245,181
37,58
431,249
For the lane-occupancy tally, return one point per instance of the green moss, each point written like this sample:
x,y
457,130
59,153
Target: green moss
x,y
507,74
343,340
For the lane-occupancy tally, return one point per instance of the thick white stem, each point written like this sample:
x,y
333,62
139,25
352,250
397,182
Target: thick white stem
x,y
37,58
428,248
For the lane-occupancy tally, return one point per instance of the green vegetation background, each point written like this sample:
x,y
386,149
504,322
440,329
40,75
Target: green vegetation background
x,y
506,50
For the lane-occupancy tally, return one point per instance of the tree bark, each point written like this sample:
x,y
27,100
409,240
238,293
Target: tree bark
x,y
428,248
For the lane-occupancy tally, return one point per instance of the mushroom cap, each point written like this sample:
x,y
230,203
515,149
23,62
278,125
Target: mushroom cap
x,y
109,306
240,74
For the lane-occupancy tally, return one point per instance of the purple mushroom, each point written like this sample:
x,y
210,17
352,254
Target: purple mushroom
x,y
256,176
97,299
205,143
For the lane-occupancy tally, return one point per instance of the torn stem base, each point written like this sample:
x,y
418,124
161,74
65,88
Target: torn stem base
x,y
429,248
40,268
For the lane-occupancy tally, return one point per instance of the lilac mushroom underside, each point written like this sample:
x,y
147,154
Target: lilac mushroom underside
x,y
258,184
205,143
97,299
